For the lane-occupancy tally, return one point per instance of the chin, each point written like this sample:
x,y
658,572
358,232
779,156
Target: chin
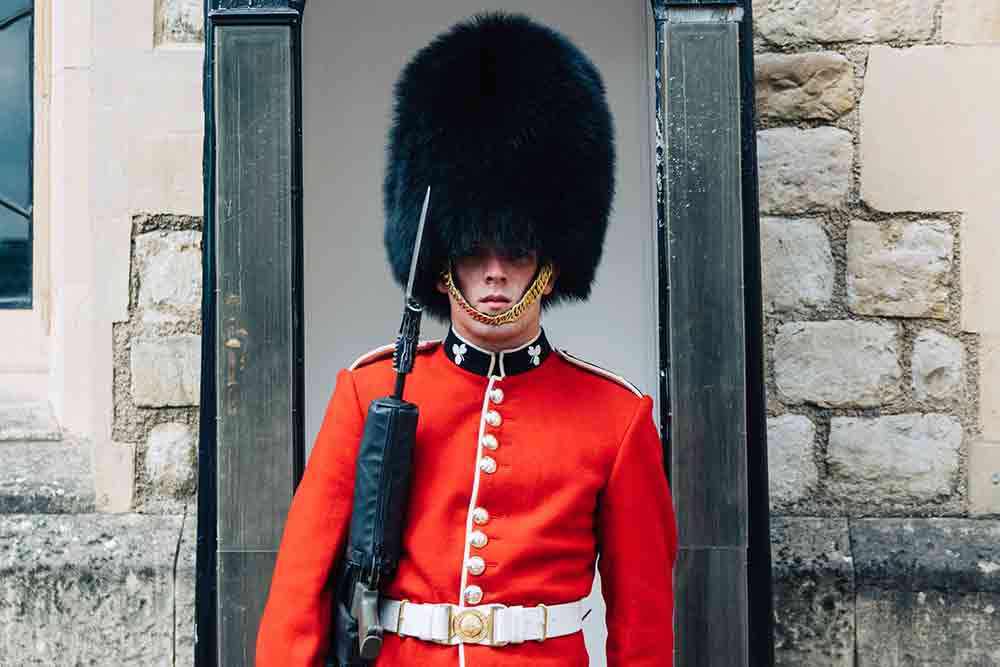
x,y
496,337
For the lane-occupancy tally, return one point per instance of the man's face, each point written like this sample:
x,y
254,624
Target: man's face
x,y
492,281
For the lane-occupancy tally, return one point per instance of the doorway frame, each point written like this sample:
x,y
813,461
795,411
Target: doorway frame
x,y
291,13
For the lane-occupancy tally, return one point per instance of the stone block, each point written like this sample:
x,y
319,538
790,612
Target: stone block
x,y
170,454
114,476
169,264
45,477
799,21
87,589
837,363
803,170
938,366
166,371
893,460
989,386
798,267
934,628
184,592
813,580
970,21
899,269
179,22
984,478
32,420
953,166
165,169
928,592
980,241
804,86
791,468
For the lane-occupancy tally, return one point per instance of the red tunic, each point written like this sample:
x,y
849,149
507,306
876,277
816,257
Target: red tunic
x,y
578,473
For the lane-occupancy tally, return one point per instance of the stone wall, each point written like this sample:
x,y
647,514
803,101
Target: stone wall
x,y
158,361
874,392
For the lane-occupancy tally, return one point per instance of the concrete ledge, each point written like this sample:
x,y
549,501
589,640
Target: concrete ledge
x,y
886,592
45,478
28,421
954,555
928,592
92,589
813,592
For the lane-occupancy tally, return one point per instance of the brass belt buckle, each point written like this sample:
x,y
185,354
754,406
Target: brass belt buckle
x,y
471,626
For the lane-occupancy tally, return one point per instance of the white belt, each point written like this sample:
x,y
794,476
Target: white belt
x,y
489,624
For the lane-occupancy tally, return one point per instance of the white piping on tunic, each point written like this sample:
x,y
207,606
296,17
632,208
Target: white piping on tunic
x,y
472,505
603,372
372,354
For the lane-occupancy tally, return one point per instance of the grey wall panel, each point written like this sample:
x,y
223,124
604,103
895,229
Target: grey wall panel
x,y
352,53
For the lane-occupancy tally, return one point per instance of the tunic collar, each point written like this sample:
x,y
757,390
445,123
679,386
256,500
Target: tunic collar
x,y
476,360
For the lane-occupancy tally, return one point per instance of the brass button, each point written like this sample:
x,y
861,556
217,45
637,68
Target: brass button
x,y
478,539
475,565
490,442
493,418
496,395
473,594
480,515
488,465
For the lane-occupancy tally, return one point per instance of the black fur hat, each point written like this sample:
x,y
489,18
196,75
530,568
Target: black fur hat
x,y
508,123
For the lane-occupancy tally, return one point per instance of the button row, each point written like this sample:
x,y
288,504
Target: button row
x,y
475,564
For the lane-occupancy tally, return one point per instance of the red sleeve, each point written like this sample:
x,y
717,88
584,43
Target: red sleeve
x,y
294,630
638,544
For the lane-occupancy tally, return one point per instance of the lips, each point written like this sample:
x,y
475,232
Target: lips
x,y
495,298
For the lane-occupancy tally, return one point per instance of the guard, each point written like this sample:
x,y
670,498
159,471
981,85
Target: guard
x,y
528,463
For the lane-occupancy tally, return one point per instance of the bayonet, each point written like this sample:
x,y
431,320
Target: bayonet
x,y
409,329
415,260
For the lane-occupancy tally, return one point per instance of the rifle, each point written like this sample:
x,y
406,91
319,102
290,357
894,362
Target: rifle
x,y
381,489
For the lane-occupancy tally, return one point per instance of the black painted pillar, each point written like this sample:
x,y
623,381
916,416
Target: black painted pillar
x,y
714,353
251,437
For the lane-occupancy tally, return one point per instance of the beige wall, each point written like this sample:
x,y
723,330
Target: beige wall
x,y
118,132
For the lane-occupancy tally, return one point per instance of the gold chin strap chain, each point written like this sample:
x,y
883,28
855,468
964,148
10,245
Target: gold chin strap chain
x,y
530,296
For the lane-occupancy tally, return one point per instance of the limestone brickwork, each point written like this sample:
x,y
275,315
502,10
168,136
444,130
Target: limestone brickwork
x,y
158,360
882,370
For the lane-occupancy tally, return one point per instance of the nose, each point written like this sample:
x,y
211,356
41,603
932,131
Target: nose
x,y
494,269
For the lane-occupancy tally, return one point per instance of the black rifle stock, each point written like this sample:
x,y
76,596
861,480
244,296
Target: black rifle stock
x,y
381,490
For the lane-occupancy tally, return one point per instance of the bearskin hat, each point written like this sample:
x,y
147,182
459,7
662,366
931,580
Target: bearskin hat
x,y
507,121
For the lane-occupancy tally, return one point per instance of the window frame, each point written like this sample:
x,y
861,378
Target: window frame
x,y
26,301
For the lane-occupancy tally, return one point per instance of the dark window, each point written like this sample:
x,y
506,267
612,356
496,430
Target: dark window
x,y
16,61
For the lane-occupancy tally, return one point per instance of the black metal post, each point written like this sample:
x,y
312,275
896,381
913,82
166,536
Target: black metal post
x,y
208,648
712,332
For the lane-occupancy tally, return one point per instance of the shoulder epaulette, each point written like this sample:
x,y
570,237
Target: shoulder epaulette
x,y
386,351
597,370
